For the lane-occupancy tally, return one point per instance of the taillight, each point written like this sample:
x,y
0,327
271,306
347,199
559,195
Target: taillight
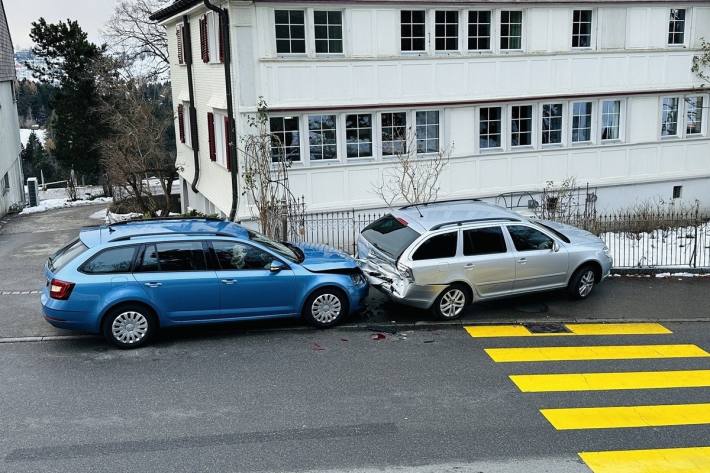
x,y
60,290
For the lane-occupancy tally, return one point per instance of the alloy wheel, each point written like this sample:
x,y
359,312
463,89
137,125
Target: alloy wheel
x,y
326,308
452,303
586,283
129,327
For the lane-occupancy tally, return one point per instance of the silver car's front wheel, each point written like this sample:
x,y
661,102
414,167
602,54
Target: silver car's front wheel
x,y
451,303
582,282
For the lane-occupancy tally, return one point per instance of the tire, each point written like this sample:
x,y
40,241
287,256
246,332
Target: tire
x,y
326,307
582,282
129,326
451,302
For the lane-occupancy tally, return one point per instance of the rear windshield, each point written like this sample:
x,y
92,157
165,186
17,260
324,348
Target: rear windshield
x,y
62,257
390,236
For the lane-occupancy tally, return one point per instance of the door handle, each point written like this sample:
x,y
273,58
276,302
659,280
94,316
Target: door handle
x,y
229,282
522,261
470,266
154,284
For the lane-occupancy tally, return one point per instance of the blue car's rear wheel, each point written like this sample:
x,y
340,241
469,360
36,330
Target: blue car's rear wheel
x,y
326,307
129,326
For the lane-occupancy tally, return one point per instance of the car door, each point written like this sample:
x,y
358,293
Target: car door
x,y
248,286
431,259
540,262
176,277
487,262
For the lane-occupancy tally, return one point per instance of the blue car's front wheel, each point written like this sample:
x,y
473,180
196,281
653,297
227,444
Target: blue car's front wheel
x,y
326,307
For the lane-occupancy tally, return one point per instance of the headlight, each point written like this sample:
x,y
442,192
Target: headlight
x,y
606,250
357,278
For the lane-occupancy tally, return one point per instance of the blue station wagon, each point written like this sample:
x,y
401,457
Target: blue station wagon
x,y
126,280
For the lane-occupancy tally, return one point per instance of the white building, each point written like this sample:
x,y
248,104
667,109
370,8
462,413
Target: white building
x,y
11,181
521,92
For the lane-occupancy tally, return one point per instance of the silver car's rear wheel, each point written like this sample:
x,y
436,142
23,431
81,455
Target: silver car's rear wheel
x,y
451,303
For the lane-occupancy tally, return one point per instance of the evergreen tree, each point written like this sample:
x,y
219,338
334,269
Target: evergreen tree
x,y
76,126
35,160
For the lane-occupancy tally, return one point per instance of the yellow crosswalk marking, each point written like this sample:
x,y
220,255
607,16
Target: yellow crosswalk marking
x,y
627,416
493,331
671,460
618,352
538,383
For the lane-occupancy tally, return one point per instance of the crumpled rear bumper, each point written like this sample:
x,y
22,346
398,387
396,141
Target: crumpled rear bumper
x,y
406,293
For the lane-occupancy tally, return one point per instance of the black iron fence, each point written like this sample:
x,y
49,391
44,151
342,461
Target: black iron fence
x,y
640,240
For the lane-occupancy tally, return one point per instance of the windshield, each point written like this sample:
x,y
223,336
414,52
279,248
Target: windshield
x,y
62,257
291,254
559,234
390,235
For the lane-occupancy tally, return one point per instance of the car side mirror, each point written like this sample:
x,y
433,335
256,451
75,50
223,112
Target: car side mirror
x,y
555,247
277,266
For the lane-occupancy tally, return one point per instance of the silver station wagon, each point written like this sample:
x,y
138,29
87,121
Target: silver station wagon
x,y
445,255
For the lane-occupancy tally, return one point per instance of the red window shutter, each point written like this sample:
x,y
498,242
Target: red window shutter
x,y
221,42
226,143
181,123
180,46
207,39
204,39
210,134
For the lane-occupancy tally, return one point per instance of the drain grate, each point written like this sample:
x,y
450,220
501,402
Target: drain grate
x,y
547,327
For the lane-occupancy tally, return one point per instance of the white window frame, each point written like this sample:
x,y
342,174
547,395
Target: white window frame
x,y
433,36
186,123
407,131
307,141
523,35
213,37
503,128
686,27
592,30
491,30
303,153
343,136
5,183
306,31
564,125
426,32
622,120
311,13
704,117
414,130
220,137
680,121
592,122
533,127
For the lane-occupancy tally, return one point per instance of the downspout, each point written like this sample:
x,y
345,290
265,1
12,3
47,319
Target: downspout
x,y
224,22
187,45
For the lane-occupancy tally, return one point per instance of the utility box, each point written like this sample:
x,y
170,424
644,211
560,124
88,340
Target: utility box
x,y
32,192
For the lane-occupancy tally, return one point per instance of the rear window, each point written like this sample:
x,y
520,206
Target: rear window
x,y
390,236
437,247
483,241
115,260
174,256
62,257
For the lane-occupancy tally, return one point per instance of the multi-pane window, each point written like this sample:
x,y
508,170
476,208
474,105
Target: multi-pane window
x,y
611,118
394,133
413,30
285,139
479,30
322,137
581,28
358,135
490,127
6,183
694,115
428,132
511,29
446,30
521,125
669,116
551,123
290,31
581,122
328,27
676,26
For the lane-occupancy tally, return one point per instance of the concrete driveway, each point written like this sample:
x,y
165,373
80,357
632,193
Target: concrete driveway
x,y
27,241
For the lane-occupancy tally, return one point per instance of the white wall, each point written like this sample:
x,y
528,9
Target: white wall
x,y
9,148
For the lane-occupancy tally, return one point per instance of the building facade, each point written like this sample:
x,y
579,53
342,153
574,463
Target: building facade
x,y
11,180
519,94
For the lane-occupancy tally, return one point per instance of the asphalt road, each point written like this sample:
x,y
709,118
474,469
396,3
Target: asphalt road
x,y
337,400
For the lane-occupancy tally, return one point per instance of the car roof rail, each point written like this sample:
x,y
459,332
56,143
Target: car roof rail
x,y
436,202
165,219
475,220
163,234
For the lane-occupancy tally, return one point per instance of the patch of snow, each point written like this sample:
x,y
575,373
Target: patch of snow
x,y
53,204
681,275
26,132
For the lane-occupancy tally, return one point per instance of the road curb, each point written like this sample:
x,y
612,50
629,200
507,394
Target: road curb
x,y
48,338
